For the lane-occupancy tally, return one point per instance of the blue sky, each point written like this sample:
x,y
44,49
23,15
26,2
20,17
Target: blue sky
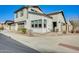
x,y
7,11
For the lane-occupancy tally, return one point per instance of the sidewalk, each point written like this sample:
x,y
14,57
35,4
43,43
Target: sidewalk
x,y
48,43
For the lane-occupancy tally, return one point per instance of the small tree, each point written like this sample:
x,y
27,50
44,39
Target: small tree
x,y
75,24
23,30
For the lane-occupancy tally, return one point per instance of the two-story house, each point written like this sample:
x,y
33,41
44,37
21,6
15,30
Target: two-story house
x,y
32,18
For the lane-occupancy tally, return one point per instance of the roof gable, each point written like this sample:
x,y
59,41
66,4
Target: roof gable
x,y
58,12
35,7
54,13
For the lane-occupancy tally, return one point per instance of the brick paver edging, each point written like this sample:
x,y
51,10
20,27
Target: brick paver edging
x,y
69,46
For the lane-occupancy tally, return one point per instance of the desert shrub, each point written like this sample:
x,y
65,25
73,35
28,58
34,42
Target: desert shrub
x,y
72,31
23,30
64,32
1,28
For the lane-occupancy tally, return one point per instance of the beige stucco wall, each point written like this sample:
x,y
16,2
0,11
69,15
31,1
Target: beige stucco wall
x,y
1,25
13,27
21,18
7,27
37,17
60,20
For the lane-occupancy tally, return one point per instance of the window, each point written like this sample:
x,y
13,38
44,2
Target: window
x,y
32,24
32,10
44,25
21,13
36,23
40,23
45,22
21,25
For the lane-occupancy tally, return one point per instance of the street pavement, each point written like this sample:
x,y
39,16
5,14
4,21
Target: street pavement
x,y
8,45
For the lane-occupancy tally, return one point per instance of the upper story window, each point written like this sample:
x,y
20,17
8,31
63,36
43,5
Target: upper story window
x,y
33,10
21,13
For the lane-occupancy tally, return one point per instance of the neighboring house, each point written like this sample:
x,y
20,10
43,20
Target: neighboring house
x,y
69,26
9,25
77,29
32,18
75,25
1,26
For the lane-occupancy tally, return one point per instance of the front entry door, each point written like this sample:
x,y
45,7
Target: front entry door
x,y
54,26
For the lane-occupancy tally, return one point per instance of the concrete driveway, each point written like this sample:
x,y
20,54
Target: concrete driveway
x,y
8,45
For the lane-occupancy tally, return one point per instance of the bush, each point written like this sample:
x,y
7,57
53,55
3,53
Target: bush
x,y
64,32
1,28
23,30
77,31
72,31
